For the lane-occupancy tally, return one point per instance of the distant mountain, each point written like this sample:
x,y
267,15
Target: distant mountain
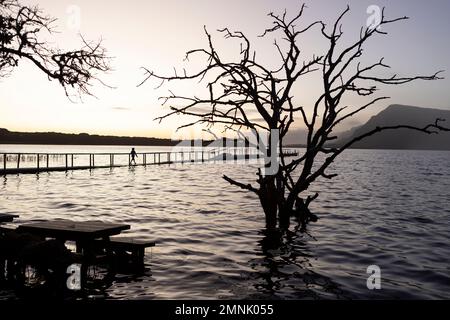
x,y
296,138
402,138
9,137
391,139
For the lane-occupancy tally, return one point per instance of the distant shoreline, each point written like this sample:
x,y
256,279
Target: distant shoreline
x,y
55,138
171,145
89,144
83,139
368,148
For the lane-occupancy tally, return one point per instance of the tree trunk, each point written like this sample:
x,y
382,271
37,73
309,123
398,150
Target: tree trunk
x,y
284,216
268,197
270,211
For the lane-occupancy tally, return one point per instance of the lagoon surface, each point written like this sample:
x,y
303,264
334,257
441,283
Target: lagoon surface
x,y
386,208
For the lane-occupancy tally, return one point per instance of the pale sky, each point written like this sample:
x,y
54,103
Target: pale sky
x,y
157,33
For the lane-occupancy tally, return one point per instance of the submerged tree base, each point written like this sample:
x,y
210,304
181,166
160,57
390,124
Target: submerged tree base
x,y
281,218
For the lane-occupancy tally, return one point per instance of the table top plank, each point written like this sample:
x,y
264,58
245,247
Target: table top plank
x,y
74,230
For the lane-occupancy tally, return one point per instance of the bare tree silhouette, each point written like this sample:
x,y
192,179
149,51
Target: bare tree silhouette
x,y
238,89
22,30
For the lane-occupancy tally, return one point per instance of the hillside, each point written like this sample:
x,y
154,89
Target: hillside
x,y
9,137
393,139
403,138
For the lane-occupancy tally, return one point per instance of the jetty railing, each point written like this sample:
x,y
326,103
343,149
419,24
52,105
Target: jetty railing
x,y
40,162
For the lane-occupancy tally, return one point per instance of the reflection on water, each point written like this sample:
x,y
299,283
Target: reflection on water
x,y
389,208
284,266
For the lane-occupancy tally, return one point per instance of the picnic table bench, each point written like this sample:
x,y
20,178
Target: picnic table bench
x,y
90,236
121,245
84,233
95,245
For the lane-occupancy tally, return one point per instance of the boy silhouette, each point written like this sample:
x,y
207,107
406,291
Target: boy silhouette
x,y
133,155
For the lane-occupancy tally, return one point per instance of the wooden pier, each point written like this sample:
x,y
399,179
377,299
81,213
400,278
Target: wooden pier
x,y
32,163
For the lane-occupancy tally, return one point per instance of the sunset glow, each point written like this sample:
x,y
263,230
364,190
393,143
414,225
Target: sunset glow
x,y
156,34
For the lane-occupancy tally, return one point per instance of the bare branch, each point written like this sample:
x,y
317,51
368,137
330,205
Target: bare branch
x,y
247,187
21,30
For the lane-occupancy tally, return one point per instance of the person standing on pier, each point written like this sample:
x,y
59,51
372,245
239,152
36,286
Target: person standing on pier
x,y
133,156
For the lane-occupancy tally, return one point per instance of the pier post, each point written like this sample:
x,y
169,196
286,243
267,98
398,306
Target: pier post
x,y
67,161
18,160
159,158
90,161
203,156
4,161
112,159
38,161
154,158
168,157
47,160
93,160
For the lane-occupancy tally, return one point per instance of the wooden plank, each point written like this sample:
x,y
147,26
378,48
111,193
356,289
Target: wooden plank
x,y
56,169
81,226
131,242
4,217
74,230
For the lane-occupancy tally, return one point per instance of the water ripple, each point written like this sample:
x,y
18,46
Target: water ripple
x,y
389,208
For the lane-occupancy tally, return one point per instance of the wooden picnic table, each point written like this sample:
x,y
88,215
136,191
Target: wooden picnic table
x,y
84,233
4,217
74,230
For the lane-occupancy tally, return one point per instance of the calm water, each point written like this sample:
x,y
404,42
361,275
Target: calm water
x,y
387,208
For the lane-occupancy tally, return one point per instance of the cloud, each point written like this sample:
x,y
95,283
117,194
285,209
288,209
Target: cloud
x,y
121,108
